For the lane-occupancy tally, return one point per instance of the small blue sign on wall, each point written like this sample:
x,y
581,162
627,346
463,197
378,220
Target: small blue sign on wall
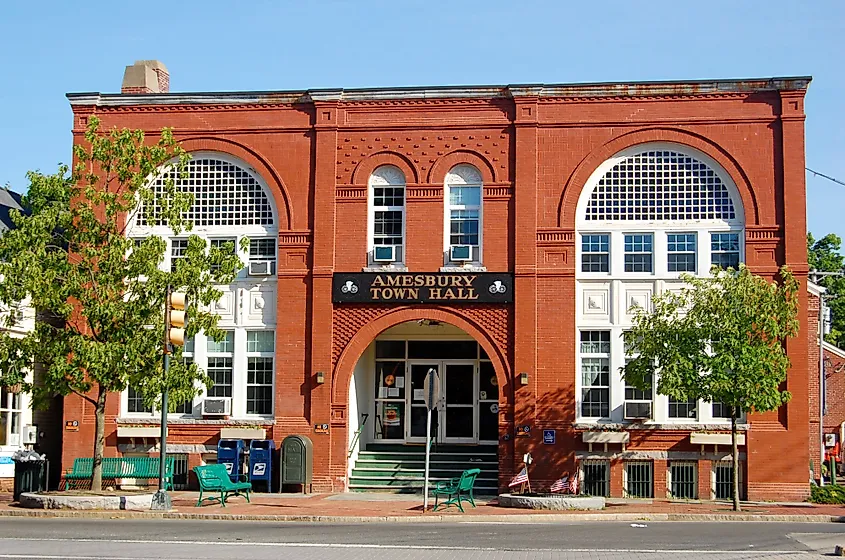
x,y
549,437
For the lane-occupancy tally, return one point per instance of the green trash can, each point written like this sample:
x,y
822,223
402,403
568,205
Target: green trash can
x,y
32,471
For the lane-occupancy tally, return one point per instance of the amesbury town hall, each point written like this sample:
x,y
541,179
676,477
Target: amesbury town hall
x,y
499,235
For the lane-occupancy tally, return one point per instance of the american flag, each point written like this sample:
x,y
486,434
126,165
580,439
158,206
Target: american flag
x,y
520,478
566,485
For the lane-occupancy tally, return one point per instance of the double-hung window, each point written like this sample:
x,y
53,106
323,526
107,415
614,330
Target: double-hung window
x,y
260,372
595,252
388,215
724,249
263,249
595,374
228,244
681,252
178,249
187,407
464,196
639,252
11,417
220,365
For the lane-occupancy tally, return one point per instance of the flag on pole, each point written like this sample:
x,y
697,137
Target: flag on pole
x,y
520,478
566,484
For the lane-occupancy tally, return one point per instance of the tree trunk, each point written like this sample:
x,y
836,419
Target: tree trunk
x,y
734,461
99,439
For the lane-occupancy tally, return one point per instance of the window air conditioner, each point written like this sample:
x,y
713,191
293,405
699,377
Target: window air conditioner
x,y
638,410
459,253
216,406
260,268
384,253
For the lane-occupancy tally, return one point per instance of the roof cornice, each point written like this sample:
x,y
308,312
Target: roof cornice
x,y
628,89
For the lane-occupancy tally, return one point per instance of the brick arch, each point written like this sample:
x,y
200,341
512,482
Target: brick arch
x,y
437,173
578,179
362,172
345,367
264,169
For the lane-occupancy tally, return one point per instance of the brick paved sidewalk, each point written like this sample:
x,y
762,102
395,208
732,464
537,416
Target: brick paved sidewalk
x,y
356,506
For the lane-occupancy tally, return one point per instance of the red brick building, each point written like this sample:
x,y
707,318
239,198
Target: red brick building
x,y
497,235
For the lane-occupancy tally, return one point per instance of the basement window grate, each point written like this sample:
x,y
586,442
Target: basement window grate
x,y
683,476
596,477
639,479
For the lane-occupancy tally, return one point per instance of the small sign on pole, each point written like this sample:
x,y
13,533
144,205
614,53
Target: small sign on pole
x,y
431,394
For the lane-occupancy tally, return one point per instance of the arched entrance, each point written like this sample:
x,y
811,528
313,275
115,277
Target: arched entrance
x,y
386,411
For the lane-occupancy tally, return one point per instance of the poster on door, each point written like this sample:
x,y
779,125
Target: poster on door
x,y
392,415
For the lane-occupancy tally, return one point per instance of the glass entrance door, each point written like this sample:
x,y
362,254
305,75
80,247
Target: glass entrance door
x,y
459,403
415,396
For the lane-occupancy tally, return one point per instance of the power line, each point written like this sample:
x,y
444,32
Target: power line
x,y
829,178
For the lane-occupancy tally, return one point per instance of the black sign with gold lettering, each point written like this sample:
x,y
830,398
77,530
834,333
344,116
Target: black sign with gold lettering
x,y
423,287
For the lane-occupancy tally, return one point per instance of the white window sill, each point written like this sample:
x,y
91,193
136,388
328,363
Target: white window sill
x,y
146,421
385,268
592,425
454,268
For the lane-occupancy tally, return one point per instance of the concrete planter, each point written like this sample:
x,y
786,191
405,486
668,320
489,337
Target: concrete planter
x,y
136,502
551,501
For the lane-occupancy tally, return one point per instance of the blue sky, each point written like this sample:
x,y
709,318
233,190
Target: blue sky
x,y
48,48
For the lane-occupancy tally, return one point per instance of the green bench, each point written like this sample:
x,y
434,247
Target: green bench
x,y
215,478
457,489
138,468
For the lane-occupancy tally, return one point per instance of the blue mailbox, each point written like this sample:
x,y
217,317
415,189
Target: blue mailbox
x,y
230,452
261,461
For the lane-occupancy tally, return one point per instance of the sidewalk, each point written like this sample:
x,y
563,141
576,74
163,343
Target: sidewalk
x,y
352,507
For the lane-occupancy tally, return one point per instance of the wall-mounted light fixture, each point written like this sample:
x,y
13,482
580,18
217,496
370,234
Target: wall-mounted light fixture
x,y
321,378
523,378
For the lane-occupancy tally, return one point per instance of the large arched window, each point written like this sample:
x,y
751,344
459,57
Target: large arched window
x,y
231,202
464,193
386,224
645,216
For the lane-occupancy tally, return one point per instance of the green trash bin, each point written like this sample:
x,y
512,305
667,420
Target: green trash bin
x,y
31,473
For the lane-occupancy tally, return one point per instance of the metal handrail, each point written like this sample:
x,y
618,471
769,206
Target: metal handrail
x,y
357,435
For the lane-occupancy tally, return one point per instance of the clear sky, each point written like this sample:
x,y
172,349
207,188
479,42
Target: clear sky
x,y
48,48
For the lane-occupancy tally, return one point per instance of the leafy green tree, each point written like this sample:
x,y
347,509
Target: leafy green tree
x,y
719,339
824,255
99,295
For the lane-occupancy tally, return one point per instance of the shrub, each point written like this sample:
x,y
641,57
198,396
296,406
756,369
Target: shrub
x,y
830,494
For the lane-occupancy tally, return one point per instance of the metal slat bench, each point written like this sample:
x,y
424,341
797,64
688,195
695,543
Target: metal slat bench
x,y
215,479
139,468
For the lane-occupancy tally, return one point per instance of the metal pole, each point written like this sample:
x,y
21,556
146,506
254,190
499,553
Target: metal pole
x,y
161,499
427,455
821,388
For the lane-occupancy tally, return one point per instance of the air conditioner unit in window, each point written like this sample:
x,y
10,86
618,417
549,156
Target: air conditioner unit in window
x,y
458,253
260,268
384,253
637,410
217,406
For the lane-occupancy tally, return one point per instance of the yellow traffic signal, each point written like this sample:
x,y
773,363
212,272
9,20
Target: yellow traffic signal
x,y
177,318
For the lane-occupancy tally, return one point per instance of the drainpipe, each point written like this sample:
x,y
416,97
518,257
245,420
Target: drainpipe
x,y
821,388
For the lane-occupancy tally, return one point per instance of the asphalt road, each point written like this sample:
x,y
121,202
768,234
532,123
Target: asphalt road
x,y
84,539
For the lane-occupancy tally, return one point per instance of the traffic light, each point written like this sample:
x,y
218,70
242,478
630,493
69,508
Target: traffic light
x,y
177,318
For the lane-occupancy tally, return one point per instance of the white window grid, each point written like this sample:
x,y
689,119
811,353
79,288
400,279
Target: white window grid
x,y
225,194
639,252
220,365
221,243
387,210
725,249
660,185
683,409
639,396
464,203
135,404
681,252
594,353
260,352
639,479
178,249
721,410
11,417
682,480
595,252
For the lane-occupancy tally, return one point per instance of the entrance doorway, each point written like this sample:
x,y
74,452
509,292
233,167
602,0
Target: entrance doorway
x,y
467,409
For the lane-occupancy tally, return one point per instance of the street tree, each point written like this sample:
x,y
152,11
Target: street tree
x,y
100,295
719,339
824,255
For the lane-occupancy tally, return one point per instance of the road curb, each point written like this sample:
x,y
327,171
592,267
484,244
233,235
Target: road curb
x,y
433,518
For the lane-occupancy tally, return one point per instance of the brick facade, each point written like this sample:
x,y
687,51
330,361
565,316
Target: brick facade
x,y
535,148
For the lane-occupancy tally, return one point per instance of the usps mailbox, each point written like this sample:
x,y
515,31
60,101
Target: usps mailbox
x,y
261,461
230,452
297,462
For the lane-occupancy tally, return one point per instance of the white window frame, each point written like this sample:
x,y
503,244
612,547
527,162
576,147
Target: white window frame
x,y
581,253
459,176
694,252
389,174
263,355
612,290
625,252
581,387
8,410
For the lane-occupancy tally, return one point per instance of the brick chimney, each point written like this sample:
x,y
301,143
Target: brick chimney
x,y
146,76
